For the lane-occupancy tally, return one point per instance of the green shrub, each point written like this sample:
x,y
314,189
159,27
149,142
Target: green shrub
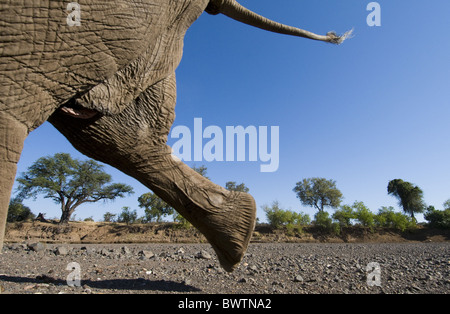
x,y
336,228
387,218
182,222
18,212
363,215
109,217
438,218
322,219
279,218
403,222
291,229
381,218
303,219
127,216
344,215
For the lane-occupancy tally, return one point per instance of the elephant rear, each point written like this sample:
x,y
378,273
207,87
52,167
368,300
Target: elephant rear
x,y
45,62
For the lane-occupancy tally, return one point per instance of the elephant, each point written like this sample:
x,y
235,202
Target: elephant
x,y
108,85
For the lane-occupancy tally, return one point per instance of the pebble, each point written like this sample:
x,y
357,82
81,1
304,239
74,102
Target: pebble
x,y
146,254
203,254
37,246
298,278
61,250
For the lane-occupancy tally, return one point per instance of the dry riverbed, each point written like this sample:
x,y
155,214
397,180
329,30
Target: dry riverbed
x,y
267,268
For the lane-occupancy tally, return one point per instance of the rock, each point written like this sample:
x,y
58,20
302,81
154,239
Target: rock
x,y
187,282
219,270
253,268
145,254
125,251
105,252
37,246
413,286
12,247
314,279
29,287
164,254
204,255
298,278
61,250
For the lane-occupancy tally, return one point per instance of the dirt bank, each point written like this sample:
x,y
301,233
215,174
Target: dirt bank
x,y
102,232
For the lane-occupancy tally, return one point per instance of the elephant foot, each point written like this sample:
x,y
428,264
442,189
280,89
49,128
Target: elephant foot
x,y
230,230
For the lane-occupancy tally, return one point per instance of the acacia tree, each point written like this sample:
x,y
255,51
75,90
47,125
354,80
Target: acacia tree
x,y
318,193
233,186
202,170
154,206
410,197
69,182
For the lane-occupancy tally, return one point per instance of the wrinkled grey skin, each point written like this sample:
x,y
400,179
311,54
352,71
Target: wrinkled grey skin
x,y
109,87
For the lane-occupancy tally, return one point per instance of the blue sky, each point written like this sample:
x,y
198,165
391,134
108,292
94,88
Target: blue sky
x,y
373,109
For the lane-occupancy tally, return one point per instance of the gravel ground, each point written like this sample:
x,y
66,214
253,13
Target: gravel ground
x,y
193,268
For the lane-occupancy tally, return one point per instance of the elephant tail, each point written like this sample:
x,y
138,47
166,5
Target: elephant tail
x,y
234,10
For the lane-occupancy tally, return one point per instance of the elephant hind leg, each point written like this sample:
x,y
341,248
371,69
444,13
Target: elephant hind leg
x,y
134,142
12,137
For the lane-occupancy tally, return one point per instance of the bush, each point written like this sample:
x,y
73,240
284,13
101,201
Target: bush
x,y
18,212
278,218
438,218
127,216
363,215
403,222
381,218
296,221
302,219
274,215
182,222
387,218
109,217
323,220
344,215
